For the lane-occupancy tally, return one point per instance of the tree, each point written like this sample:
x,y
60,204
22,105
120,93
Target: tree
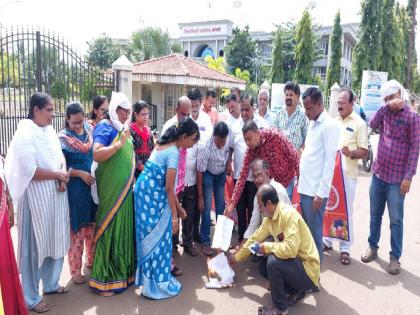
x,y
334,67
102,52
288,32
241,50
367,52
149,43
9,71
218,64
392,54
403,25
411,51
176,48
277,71
304,50
243,75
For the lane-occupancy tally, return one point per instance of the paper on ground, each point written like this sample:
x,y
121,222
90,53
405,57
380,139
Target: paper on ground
x,y
220,265
222,233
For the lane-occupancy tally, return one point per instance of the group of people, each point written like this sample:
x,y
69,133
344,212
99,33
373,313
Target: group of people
x,y
105,187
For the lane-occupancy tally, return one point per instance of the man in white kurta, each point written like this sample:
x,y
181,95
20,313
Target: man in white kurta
x,y
36,176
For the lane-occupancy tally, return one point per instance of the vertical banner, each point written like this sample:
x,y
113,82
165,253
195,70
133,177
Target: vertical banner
x,y
336,224
370,99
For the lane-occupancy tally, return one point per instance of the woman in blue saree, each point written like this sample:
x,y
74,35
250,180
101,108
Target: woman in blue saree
x,y
156,208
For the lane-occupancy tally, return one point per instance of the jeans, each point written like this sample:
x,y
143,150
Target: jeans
x,y
188,199
382,193
286,276
245,207
289,188
212,185
314,219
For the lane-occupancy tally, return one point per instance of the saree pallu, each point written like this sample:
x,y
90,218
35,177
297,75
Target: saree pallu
x,y
114,263
154,235
11,291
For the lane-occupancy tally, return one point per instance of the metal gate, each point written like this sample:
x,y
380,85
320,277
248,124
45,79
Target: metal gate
x,y
33,60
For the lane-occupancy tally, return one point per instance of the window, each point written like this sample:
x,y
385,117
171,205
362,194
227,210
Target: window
x,y
266,51
172,94
323,46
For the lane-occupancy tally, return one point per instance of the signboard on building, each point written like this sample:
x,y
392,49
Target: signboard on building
x,y
277,95
204,30
370,98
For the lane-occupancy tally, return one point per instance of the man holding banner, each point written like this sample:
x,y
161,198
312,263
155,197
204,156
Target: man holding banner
x,y
317,163
353,144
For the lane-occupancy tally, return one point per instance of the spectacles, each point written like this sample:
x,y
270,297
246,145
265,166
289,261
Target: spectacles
x,y
145,114
127,111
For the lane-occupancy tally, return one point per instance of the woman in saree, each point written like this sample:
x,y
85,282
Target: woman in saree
x,y
77,146
11,297
141,134
156,212
114,263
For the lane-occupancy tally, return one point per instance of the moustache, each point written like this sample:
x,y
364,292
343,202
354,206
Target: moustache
x,y
288,102
340,108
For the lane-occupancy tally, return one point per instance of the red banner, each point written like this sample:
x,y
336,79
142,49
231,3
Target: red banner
x,y
336,223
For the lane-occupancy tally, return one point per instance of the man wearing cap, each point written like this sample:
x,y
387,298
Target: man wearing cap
x,y
393,169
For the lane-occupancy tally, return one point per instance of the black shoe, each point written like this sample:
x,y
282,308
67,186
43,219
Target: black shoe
x,y
314,289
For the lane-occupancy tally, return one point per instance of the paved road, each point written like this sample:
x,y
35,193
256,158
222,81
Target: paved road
x,y
356,289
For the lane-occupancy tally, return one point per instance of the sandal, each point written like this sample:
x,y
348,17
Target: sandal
x,y
60,290
106,293
176,272
327,248
345,258
79,279
207,251
41,307
191,250
271,310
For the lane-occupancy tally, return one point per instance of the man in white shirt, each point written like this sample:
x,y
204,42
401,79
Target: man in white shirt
x,y
263,111
182,111
260,170
188,197
232,111
238,149
317,163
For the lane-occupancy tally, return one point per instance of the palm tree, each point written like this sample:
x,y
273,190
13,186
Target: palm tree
x,y
149,43
218,64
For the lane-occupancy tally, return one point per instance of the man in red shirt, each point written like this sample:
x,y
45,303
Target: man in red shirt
x,y
271,146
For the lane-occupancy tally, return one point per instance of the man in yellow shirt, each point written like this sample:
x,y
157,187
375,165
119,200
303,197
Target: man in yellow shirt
x,y
293,265
354,146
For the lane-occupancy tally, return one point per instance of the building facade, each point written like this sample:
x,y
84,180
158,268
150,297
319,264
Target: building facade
x,y
199,39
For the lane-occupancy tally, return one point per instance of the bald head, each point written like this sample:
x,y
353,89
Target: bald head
x,y
267,199
183,108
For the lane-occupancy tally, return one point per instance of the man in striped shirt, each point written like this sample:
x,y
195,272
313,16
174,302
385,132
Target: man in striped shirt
x,y
212,160
393,169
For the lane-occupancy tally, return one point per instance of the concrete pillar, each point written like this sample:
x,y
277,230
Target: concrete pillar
x,y
123,70
334,91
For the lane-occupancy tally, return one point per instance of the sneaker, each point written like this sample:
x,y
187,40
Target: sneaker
x,y
394,266
370,255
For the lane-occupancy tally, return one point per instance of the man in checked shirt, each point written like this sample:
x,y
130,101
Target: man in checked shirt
x,y
393,169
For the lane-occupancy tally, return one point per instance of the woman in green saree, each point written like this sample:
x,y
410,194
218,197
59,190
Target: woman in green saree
x,y
114,262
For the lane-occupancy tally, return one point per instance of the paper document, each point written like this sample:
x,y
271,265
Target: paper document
x,y
222,233
220,266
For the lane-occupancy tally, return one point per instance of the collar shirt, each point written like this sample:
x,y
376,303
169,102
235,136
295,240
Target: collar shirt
x,y
212,159
269,117
237,143
294,127
318,158
354,135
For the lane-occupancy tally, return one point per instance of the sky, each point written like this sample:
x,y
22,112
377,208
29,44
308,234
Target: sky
x,y
79,21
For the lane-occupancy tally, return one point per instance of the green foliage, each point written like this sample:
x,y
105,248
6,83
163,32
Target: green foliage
x,y
59,90
392,57
102,52
149,43
9,78
241,50
411,49
288,33
304,50
416,82
334,69
277,71
176,48
368,50
243,75
403,22
218,64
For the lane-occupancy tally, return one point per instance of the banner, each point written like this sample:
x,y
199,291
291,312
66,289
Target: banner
x,y
336,223
370,99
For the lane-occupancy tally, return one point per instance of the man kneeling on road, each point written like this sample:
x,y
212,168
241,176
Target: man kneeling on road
x,y
293,266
